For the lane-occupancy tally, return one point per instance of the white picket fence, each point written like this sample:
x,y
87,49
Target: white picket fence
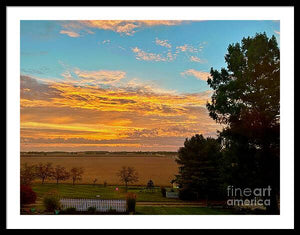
x,y
100,205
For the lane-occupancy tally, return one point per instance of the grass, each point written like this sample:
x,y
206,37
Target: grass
x,y
164,206
91,191
155,210
166,210
110,192
175,206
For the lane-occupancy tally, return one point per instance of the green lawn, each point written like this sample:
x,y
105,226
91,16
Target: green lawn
x,y
155,210
91,191
110,192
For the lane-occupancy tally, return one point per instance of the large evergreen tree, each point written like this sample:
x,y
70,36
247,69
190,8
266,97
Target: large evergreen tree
x,y
198,172
246,101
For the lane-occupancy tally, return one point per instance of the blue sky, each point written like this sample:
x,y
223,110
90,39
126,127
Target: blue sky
x,y
67,65
44,50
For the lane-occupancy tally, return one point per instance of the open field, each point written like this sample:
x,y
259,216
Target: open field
x,y
98,154
161,169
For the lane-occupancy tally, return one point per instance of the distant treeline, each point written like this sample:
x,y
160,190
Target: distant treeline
x,y
43,153
62,152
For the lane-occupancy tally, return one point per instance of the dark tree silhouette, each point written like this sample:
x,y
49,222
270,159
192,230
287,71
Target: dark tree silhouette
x,y
128,175
76,174
60,173
246,101
198,172
44,171
27,174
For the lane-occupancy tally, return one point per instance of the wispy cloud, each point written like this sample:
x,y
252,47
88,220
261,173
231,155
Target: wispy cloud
x,y
188,48
70,33
74,75
143,55
197,59
169,54
100,76
197,74
277,32
164,43
123,27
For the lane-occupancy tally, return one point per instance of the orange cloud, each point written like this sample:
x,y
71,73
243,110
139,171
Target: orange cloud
x,y
198,74
124,27
112,116
70,33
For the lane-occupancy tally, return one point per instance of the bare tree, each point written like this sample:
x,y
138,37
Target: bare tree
x,y
60,173
128,175
27,174
44,171
76,174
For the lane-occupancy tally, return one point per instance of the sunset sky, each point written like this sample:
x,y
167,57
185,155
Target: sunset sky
x,y
121,85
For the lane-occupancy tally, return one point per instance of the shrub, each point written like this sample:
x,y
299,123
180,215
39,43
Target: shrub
x,y
150,184
163,191
28,196
131,201
51,201
91,210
